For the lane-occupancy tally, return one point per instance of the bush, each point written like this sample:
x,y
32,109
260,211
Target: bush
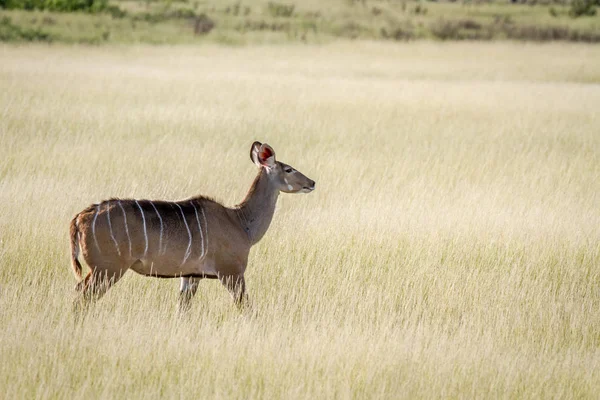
x,y
115,12
550,33
250,25
203,24
168,14
445,30
397,33
55,5
459,30
420,10
580,8
14,33
351,30
280,10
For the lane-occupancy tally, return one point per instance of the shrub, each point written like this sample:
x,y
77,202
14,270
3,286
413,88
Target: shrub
x,y
250,25
115,12
183,13
445,30
398,33
14,33
470,24
203,24
580,8
459,30
349,29
538,33
280,9
420,10
55,5
549,33
168,14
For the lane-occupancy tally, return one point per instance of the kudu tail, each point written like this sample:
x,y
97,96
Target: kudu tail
x,y
74,233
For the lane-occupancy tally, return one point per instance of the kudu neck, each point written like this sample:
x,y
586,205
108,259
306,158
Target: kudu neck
x,y
257,209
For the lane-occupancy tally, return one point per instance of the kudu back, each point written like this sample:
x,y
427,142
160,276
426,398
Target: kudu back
x,y
189,239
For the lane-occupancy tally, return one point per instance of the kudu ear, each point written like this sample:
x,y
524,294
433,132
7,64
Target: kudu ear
x,y
262,155
254,152
266,156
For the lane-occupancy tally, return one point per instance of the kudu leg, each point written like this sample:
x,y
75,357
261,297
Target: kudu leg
x,y
93,287
187,290
236,285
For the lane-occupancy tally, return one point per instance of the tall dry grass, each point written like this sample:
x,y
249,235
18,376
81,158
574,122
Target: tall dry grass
x,y
451,248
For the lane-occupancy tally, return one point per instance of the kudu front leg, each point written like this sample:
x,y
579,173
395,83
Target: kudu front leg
x,y
236,285
92,288
187,290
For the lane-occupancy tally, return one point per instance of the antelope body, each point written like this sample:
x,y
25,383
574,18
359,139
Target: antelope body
x,y
189,239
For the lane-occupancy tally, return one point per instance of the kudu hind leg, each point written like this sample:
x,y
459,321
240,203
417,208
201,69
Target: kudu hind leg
x,y
187,291
236,285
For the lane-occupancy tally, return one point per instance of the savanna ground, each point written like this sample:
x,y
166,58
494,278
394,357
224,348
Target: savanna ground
x,y
451,248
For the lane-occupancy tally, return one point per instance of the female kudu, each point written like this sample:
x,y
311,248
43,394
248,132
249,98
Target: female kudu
x,y
190,239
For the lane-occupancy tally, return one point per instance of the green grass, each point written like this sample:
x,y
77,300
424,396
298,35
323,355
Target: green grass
x,y
451,248
252,22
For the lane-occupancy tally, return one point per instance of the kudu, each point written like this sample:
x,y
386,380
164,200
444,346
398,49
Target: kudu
x,y
189,239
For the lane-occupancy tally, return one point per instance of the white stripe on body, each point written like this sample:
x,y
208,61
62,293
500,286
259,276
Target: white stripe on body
x,y
161,230
200,229
205,229
126,227
94,227
145,232
110,228
188,251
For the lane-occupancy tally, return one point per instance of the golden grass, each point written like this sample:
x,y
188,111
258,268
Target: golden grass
x,y
451,248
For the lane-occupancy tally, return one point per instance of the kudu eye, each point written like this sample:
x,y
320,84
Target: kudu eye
x,y
288,170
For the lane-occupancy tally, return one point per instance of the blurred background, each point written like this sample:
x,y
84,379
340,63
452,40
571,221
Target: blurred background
x,y
259,21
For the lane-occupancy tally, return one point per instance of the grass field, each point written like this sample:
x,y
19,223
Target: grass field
x,y
451,249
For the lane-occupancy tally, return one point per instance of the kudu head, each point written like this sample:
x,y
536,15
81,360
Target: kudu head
x,y
282,176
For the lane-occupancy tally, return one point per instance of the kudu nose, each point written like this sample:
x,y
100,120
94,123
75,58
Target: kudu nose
x,y
312,185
